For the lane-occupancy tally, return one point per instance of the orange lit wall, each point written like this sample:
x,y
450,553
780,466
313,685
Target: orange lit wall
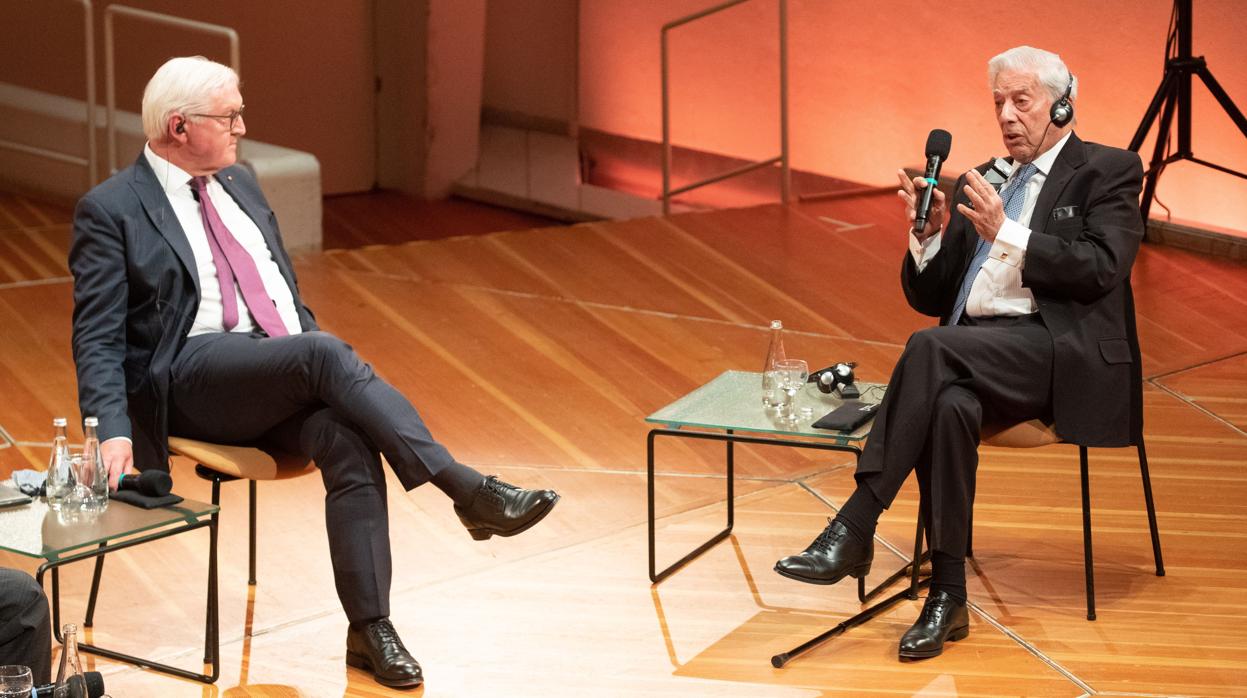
x,y
868,80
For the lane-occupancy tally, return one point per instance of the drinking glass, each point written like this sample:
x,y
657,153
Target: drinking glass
x,y
792,374
15,681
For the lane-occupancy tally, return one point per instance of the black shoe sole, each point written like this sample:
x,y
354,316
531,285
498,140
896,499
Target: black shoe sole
x,y
857,573
360,661
953,636
487,533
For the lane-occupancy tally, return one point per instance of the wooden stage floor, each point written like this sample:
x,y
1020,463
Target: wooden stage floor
x,y
536,355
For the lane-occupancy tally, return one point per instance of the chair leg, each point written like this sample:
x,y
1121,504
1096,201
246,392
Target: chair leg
x,y
251,576
1088,564
89,621
216,501
1151,509
917,564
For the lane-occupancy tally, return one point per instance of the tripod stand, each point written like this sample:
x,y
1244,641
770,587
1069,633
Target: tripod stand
x,y
1174,94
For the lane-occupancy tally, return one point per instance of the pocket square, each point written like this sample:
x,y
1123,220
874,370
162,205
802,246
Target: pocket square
x,y
1064,212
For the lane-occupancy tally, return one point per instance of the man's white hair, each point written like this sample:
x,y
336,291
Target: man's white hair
x,y
183,86
1045,65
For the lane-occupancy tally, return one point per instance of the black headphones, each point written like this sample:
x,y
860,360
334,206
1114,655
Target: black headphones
x,y
838,378
1062,112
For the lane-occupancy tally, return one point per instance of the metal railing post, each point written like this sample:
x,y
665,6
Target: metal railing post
x,y
782,159
89,162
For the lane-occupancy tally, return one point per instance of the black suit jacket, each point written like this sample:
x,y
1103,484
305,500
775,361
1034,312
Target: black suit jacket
x,y
1086,229
136,292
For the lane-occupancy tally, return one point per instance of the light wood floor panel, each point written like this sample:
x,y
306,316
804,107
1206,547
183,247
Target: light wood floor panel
x,y
537,354
1219,387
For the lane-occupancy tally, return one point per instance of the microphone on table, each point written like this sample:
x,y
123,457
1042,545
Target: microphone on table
x,y
939,142
149,483
89,685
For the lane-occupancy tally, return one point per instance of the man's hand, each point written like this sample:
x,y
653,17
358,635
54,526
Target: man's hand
x,y
118,458
988,214
909,194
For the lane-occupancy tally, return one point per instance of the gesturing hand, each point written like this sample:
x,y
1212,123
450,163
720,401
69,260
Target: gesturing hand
x,y
988,213
909,194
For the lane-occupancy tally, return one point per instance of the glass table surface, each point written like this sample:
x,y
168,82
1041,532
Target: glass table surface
x,y
35,530
733,400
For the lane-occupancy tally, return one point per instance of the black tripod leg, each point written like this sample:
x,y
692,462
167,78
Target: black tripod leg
x,y
1223,99
1153,110
1158,153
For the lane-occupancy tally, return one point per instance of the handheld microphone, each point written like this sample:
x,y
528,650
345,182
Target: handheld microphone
x,y
89,685
939,142
149,483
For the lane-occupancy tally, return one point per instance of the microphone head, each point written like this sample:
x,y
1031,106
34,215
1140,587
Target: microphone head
x,y
155,483
939,142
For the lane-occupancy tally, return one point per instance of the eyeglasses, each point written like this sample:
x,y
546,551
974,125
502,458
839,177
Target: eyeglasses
x,y
233,116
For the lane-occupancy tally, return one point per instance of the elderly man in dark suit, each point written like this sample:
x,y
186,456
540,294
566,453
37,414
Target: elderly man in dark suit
x,y
188,321
1031,286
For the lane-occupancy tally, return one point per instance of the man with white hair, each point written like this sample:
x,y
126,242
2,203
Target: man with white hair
x,y
1032,289
188,321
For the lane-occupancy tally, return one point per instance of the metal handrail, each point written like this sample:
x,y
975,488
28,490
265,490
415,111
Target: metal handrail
x,y
90,161
109,63
782,158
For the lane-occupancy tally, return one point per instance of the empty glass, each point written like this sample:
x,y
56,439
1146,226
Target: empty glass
x,y
792,374
15,681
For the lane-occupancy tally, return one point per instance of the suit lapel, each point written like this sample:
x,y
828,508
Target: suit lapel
x,y
259,215
1071,157
163,219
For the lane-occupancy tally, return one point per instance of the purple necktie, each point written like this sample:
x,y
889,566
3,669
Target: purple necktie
x,y
233,263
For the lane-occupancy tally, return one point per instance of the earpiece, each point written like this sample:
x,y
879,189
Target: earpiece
x,y
181,127
1062,111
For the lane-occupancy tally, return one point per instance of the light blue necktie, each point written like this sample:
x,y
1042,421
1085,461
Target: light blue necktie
x,y
1015,196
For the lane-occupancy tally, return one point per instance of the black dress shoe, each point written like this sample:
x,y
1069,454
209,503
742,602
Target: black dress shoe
x,y
833,554
943,618
499,509
376,648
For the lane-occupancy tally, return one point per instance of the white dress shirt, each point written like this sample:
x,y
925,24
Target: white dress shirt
x,y
998,289
209,317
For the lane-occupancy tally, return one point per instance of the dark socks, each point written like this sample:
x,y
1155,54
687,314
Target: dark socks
x,y
459,482
948,574
861,513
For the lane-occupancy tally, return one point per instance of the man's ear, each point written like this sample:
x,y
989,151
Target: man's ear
x,y
177,128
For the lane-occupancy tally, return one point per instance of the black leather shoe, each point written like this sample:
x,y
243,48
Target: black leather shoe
x,y
943,618
833,554
500,509
376,648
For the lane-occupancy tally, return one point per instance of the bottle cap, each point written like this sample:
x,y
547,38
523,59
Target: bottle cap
x,y
60,422
777,325
91,422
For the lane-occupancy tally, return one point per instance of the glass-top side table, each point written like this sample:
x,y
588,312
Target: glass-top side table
x,y
60,538
729,404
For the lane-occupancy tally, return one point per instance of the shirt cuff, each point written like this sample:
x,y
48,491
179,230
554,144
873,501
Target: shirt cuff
x,y
1010,244
128,439
923,252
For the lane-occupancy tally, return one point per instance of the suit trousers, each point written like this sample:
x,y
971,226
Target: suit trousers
x,y
311,394
25,627
948,383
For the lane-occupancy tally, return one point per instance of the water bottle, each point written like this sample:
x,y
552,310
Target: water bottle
x,y
60,480
95,473
774,354
70,681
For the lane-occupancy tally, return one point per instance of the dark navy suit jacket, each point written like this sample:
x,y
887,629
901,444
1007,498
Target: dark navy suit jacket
x,y
136,292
